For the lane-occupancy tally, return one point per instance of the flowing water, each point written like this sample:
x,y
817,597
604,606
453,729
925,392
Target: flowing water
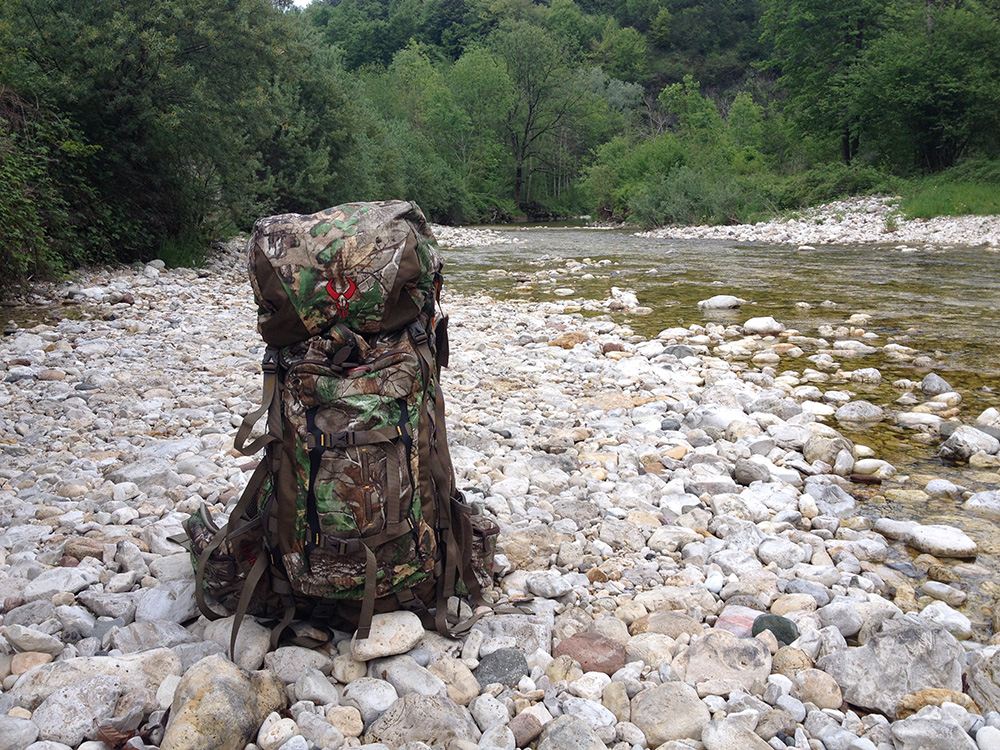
x,y
942,303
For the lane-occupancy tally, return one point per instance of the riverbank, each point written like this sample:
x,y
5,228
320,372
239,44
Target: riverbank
x,y
683,509
865,220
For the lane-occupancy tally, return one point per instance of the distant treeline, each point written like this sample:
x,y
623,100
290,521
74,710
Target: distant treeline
x,y
130,130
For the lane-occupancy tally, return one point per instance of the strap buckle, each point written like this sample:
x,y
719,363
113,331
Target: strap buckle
x,y
270,362
418,333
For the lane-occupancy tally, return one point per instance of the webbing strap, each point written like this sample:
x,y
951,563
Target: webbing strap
x,y
253,578
469,577
396,460
315,455
199,575
270,403
286,620
346,438
249,495
368,602
421,343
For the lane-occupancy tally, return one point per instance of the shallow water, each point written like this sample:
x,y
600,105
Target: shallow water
x,y
940,302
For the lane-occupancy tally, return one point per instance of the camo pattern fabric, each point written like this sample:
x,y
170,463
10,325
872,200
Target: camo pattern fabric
x,y
378,387
371,266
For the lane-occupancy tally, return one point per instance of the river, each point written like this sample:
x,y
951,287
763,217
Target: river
x,y
942,303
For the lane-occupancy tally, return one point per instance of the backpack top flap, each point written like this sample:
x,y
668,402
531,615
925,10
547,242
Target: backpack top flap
x,y
371,266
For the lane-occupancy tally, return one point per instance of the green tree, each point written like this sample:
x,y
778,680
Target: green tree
x,y
543,100
173,94
928,89
716,41
622,52
485,93
817,47
193,116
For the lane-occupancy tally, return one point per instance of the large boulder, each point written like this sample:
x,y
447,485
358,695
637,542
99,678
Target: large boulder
x,y
967,441
220,706
908,654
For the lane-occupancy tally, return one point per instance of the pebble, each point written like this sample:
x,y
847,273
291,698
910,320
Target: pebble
x,y
683,519
850,221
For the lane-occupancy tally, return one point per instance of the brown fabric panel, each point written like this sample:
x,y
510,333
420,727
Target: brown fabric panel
x,y
400,308
283,326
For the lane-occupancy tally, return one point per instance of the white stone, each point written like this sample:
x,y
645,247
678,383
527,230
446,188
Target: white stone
x,y
391,633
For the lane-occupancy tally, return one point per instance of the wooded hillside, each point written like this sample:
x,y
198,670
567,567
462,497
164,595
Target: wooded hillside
x,y
131,130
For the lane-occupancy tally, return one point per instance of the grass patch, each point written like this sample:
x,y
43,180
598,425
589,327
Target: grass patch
x,y
939,196
184,251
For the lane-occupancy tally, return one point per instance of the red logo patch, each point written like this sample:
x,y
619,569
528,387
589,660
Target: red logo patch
x,y
342,298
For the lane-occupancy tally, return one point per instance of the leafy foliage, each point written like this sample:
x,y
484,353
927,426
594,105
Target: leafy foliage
x,y
134,129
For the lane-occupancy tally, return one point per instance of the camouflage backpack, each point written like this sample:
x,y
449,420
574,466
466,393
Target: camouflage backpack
x,y
353,509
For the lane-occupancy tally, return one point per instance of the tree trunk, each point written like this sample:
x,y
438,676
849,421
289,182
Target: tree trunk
x,y
518,184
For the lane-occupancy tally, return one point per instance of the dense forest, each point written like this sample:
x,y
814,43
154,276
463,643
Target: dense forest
x,y
132,130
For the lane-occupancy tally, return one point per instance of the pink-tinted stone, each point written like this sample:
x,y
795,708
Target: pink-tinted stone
x,y
595,652
737,619
525,728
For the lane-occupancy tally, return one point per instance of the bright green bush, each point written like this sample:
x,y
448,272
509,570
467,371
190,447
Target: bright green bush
x,y
970,188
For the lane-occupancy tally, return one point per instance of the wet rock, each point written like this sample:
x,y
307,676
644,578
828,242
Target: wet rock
x,y
933,384
986,503
765,326
721,302
859,412
219,705
965,442
935,539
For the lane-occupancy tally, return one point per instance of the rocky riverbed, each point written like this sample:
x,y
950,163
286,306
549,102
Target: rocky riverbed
x,y
871,219
682,509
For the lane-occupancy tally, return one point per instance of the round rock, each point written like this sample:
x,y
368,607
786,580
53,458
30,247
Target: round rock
x,y
671,711
391,633
595,652
506,666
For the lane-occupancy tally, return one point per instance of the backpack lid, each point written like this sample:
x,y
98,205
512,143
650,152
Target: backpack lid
x,y
370,266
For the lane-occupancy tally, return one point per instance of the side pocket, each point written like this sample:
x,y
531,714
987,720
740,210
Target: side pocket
x,y
223,573
476,535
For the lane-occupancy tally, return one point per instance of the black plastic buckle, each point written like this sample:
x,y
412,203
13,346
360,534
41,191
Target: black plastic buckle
x,y
418,333
270,362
